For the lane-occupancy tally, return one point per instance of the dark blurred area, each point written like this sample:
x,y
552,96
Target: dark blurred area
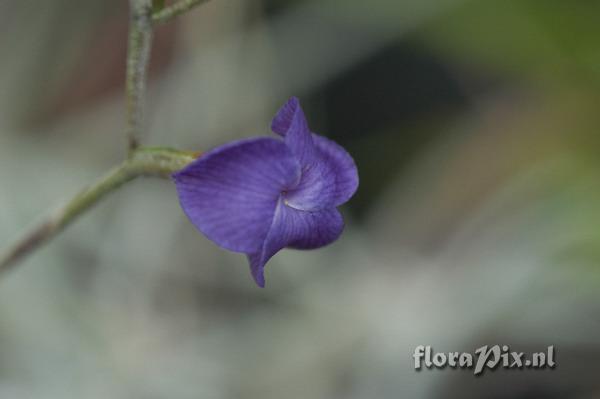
x,y
475,128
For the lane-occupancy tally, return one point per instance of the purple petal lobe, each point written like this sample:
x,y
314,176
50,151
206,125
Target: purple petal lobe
x,y
330,180
291,123
296,229
316,189
341,165
231,193
318,228
283,119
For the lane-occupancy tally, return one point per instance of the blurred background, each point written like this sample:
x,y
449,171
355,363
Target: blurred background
x,y
475,126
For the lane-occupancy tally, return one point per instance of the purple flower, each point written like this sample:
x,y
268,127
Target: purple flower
x,y
263,194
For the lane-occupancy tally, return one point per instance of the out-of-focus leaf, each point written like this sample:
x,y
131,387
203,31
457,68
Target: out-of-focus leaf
x,y
549,39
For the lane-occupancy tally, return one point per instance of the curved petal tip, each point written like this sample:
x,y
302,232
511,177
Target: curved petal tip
x,y
257,269
285,116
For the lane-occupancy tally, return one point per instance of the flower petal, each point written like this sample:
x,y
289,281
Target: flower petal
x,y
291,123
330,180
295,229
316,189
231,193
284,117
342,166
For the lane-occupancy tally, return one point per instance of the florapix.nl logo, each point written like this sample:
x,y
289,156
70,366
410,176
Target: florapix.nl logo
x,y
485,357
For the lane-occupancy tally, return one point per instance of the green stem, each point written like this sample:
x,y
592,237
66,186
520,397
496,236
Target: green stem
x,y
158,162
175,9
138,57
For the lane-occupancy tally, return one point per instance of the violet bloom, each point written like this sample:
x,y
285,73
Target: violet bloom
x,y
263,194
